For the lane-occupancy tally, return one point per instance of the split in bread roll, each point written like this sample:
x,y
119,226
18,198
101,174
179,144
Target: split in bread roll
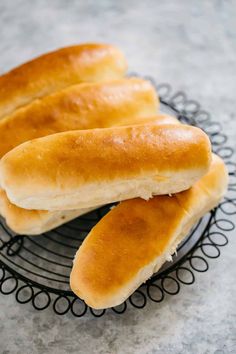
x,y
83,106
34,222
135,238
54,71
82,169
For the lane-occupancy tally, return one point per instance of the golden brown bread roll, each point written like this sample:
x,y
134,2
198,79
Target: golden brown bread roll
x,y
54,71
135,238
83,106
82,169
35,222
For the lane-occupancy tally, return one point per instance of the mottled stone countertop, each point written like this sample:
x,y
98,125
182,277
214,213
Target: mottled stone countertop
x,y
191,45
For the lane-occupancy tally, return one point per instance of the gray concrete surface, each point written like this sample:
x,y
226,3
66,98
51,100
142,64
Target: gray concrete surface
x,y
192,45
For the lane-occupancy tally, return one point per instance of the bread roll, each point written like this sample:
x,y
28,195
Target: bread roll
x,y
56,70
83,106
81,169
135,238
34,222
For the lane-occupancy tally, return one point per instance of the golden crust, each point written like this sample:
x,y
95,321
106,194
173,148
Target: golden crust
x,y
47,173
34,222
83,106
126,239
135,238
56,70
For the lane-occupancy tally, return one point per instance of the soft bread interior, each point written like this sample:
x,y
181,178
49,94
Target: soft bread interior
x,y
100,283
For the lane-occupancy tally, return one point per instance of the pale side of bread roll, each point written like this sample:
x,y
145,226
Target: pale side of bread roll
x,y
34,222
54,71
81,169
83,106
135,238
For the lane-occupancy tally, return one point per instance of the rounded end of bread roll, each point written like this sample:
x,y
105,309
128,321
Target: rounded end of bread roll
x,y
20,220
217,172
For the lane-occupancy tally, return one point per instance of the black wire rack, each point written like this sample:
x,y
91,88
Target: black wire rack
x,y
37,268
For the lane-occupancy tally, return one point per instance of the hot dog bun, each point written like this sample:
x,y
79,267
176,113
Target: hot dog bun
x,y
34,222
54,71
135,238
83,106
81,169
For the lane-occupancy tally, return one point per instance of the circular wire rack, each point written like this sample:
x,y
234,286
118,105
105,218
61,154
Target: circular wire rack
x,y
37,268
